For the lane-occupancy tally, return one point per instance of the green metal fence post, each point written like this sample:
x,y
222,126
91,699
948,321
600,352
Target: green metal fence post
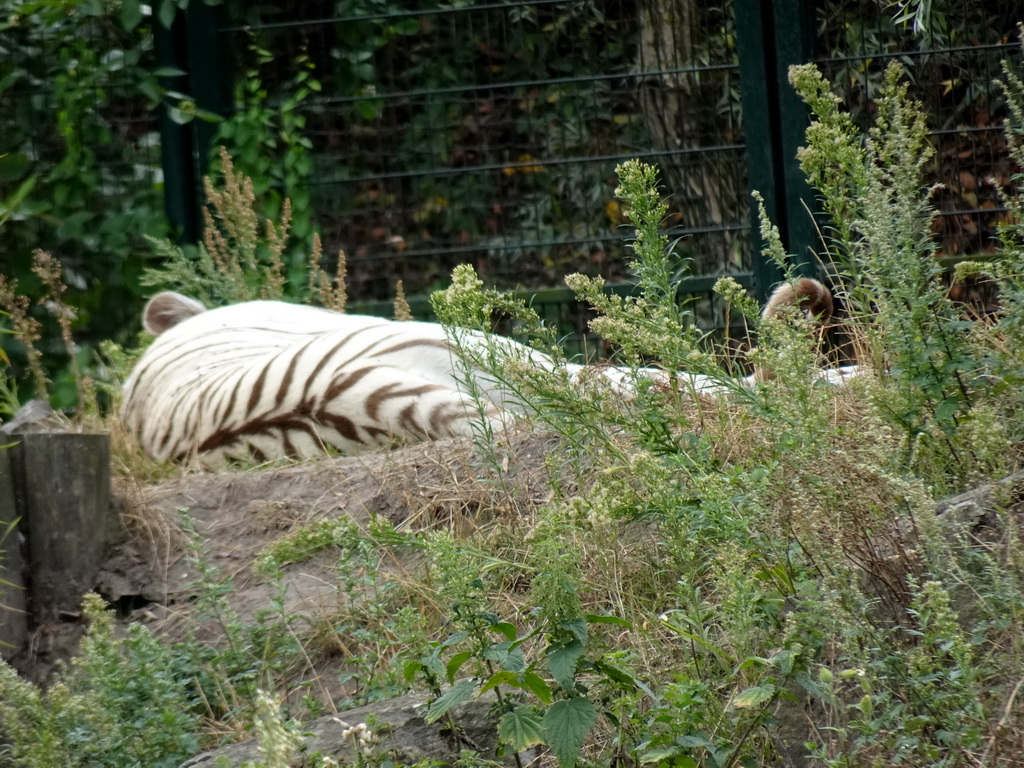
x,y
209,76
771,37
760,128
176,139
794,44
192,48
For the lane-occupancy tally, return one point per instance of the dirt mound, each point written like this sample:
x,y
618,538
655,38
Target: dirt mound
x,y
150,575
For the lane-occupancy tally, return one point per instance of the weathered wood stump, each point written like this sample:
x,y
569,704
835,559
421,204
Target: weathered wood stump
x,y
61,491
13,598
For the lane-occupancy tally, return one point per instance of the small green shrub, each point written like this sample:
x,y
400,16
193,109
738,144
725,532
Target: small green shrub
x,y
122,701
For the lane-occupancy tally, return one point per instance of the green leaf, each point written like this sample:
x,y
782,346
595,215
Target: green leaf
x,y
458,693
562,664
521,728
500,678
169,72
694,741
593,618
406,26
506,657
179,117
622,677
566,725
14,204
131,14
505,628
455,663
664,753
13,167
947,409
784,660
166,13
411,670
538,686
754,697
578,629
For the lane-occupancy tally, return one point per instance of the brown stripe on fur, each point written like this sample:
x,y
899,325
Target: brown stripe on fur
x,y
264,426
216,387
343,425
388,392
347,381
289,446
257,389
289,374
442,418
405,418
327,357
376,432
413,343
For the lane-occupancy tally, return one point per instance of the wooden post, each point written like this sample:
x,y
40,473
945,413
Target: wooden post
x,y
13,599
62,485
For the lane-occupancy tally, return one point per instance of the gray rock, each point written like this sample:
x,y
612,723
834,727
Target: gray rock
x,y
401,726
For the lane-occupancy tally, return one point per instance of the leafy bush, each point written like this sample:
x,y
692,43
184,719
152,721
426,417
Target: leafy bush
x,y
121,702
81,172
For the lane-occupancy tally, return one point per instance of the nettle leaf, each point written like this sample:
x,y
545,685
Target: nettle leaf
x,y
578,629
566,725
538,686
623,678
694,741
947,409
503,677
666,753
506,656
505,628
411,670
562,664
455,663
458,693
594,618
521,728
754,697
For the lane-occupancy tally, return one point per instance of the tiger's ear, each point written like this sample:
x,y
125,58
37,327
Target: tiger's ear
x,y
807,293
167,309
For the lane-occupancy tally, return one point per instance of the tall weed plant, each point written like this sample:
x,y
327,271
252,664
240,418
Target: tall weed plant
x,y
810,604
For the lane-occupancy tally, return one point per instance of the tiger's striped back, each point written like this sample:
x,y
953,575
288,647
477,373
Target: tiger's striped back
x,y
270,379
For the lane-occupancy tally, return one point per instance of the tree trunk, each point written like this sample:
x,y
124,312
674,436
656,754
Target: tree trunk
x,y
690,114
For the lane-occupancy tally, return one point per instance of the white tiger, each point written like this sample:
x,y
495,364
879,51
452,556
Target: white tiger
x,y
268,379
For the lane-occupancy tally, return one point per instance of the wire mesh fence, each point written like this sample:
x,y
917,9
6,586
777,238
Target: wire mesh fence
x,y
953,61
490,134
